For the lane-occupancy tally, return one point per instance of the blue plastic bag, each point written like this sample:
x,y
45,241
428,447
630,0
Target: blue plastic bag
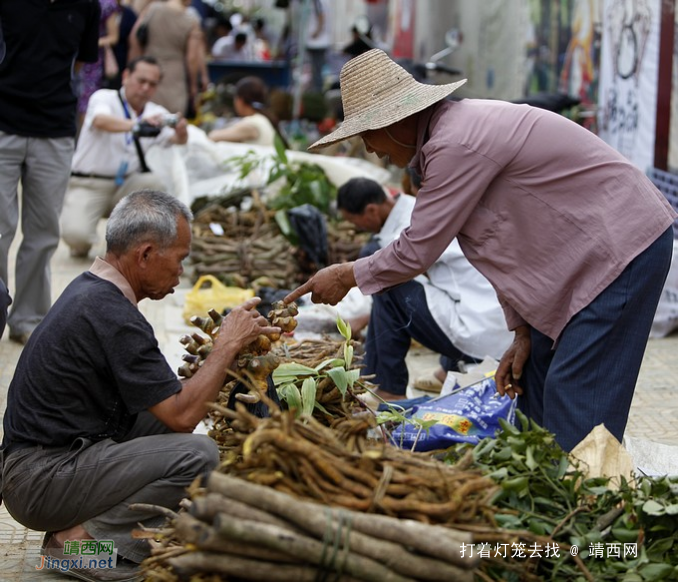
x,y
467,415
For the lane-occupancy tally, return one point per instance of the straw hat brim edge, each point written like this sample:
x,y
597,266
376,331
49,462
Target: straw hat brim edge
x,y
358,124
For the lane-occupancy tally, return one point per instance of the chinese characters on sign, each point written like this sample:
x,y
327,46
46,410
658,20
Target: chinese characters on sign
x,y
521,550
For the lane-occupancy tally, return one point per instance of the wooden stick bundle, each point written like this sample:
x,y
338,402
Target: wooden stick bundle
x,y
251,532
377,536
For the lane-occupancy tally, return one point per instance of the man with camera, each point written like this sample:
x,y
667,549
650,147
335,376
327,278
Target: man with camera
x,y
109,161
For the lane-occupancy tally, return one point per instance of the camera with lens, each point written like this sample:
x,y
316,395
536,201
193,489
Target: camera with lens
x,y
146,129
170,120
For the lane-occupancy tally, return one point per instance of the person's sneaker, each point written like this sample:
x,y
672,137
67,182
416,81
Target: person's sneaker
x,y
20,338
124,571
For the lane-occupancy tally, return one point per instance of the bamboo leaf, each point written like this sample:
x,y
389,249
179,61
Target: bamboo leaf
x,y
290,371
340,378
291,395
331,362
321,408
286,229
352,376
344,328
425,424
390,415
308,390
348,352
274,176
280,149
281,392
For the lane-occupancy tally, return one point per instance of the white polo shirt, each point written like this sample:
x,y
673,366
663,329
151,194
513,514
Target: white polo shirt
x,y
461,300
102,152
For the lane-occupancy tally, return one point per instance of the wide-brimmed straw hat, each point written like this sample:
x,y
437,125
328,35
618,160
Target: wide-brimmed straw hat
x,y
377,92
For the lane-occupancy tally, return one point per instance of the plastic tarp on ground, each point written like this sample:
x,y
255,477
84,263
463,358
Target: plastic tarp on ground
x,y
652,458
199,168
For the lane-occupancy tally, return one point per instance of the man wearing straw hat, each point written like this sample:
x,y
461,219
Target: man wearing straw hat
x,y
576,240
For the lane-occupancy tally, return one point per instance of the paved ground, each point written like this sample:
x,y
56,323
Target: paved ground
x,y
654,413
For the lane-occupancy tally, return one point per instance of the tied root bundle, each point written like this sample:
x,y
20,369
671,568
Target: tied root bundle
x,y
300,503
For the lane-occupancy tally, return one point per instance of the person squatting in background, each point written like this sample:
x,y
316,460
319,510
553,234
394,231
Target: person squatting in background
x,y
451,309
109,161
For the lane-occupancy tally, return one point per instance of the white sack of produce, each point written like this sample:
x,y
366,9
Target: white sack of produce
x,y
169,164
198,168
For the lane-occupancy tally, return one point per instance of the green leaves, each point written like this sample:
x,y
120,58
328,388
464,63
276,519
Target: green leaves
x,y
297,183
348,354
344,329
657,572
283,222
343,378
542,490
290,394
651,507
331,362
302,401
290,372
308,389
280,149
288,376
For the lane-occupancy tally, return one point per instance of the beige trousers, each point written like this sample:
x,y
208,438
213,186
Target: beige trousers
x,y
90,199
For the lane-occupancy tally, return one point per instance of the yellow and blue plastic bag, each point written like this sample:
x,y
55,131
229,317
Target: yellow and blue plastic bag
x,y
467,415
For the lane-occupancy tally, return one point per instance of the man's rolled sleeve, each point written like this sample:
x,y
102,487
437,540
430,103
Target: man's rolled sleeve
x,y
513,318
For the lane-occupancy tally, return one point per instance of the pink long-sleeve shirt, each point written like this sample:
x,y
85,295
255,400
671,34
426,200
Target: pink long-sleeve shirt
x,y
546,210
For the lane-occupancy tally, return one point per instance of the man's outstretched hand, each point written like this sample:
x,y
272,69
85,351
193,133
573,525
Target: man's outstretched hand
x,y
329,285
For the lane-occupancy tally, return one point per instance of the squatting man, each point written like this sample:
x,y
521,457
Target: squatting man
x,y
109,161
451,309
96,419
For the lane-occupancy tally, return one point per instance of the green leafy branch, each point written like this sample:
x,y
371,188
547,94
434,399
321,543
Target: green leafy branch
x,y
303,182
395,416
543,490
297,384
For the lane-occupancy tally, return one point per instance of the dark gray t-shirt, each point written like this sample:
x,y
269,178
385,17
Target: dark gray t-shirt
x,y
87,370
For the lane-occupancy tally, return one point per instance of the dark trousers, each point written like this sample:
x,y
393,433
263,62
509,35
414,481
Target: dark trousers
x,y
400,315
590,377
317,58
93,483
5,301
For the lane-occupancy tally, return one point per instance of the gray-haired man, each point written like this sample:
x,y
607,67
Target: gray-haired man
x,y
96,419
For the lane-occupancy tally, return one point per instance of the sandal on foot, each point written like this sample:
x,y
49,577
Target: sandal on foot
x,y
428,383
